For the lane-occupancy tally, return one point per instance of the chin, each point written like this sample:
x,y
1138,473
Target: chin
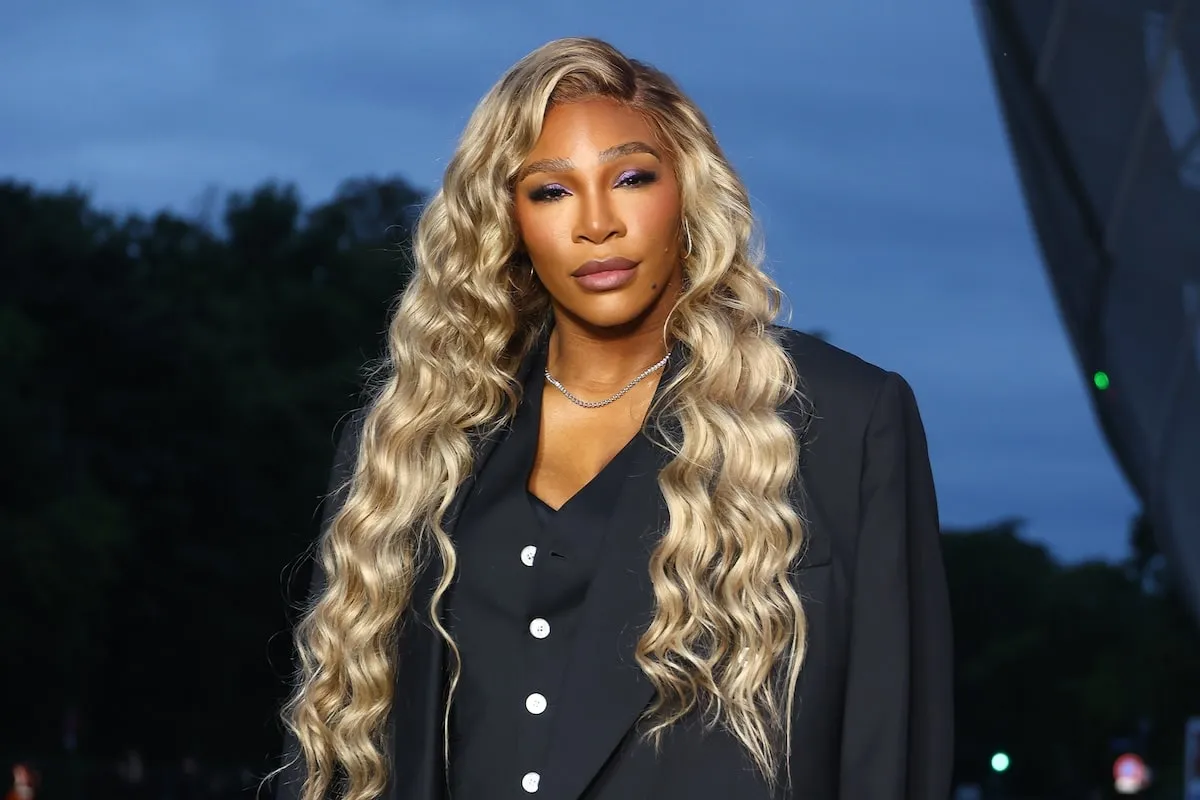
x,y
610,319
612,312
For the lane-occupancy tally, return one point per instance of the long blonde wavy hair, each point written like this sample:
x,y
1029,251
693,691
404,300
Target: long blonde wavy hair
x,y
728,632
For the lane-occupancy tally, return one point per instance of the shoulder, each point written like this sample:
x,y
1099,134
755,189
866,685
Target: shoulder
x,y
858,426
839,391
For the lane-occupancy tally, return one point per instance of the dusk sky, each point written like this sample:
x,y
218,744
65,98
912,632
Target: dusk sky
x,y
867,132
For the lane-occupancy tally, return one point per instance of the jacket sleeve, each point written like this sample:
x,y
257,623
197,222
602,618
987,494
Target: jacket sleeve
x,y
897,739
290,780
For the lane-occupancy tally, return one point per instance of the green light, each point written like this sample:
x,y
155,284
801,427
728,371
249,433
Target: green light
x,y
1000,762
1100,379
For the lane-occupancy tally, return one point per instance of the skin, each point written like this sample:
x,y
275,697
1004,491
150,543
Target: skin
x,y
598,185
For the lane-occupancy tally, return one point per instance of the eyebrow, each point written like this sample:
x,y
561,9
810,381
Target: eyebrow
x,y
566,165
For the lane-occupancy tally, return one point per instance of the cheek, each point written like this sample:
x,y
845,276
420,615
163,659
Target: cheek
x,y
543,231
656,217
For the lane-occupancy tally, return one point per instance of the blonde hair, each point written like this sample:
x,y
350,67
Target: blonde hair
x,y
728,633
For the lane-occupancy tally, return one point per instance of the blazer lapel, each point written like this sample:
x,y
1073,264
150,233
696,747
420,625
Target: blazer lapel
x,y
418,763
604,691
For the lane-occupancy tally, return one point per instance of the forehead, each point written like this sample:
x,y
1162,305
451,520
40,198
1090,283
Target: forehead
x,y
573,130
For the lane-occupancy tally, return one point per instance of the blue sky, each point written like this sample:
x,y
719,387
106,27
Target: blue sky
x,y
867,131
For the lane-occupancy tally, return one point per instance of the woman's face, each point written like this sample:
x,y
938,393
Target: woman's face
x,y
598,210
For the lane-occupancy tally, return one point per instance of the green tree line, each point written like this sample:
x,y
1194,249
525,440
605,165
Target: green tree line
x,y
169,395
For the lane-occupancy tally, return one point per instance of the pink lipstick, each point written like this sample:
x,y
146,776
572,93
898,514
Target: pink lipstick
x,y
603,275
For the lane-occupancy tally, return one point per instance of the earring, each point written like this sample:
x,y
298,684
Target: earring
x,y
530,281
687,234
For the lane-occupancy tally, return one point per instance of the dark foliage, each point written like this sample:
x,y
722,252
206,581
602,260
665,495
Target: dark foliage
x,y
1066,667
169,399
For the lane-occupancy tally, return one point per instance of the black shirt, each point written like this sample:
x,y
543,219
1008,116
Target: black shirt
x,y
523,573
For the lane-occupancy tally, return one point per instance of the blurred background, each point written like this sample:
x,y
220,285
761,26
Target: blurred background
x,y
204,209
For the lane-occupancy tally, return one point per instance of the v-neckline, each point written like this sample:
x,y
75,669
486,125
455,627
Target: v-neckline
x,y
621,456
535,388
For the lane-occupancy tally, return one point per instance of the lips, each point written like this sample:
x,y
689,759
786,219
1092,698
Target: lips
x,y
604,265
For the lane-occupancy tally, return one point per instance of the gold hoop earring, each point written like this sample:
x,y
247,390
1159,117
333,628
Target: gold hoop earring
x,y
514,278
687,235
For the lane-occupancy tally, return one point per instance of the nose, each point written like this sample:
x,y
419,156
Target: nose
x,y
599,219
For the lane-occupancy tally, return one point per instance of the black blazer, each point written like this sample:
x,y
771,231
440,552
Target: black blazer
x,y
874,717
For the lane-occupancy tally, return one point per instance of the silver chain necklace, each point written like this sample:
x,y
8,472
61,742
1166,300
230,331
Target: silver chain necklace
x,y
601,403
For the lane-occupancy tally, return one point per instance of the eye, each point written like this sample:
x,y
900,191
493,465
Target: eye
x,y
547,193
637,177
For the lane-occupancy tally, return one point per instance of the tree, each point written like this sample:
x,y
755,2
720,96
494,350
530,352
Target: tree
x,y
173,396
1057,664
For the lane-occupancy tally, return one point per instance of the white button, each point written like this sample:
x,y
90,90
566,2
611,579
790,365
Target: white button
x,y
535,703
527,555
539,628
530,782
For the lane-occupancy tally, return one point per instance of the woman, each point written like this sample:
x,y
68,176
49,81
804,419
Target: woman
x,y
590,538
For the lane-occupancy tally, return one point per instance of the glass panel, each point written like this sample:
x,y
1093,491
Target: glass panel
x,y
1101,104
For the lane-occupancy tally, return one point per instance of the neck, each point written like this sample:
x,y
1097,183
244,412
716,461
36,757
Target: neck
x,y
601,362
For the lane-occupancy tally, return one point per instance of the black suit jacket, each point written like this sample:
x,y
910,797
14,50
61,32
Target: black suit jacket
x,y
874,718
